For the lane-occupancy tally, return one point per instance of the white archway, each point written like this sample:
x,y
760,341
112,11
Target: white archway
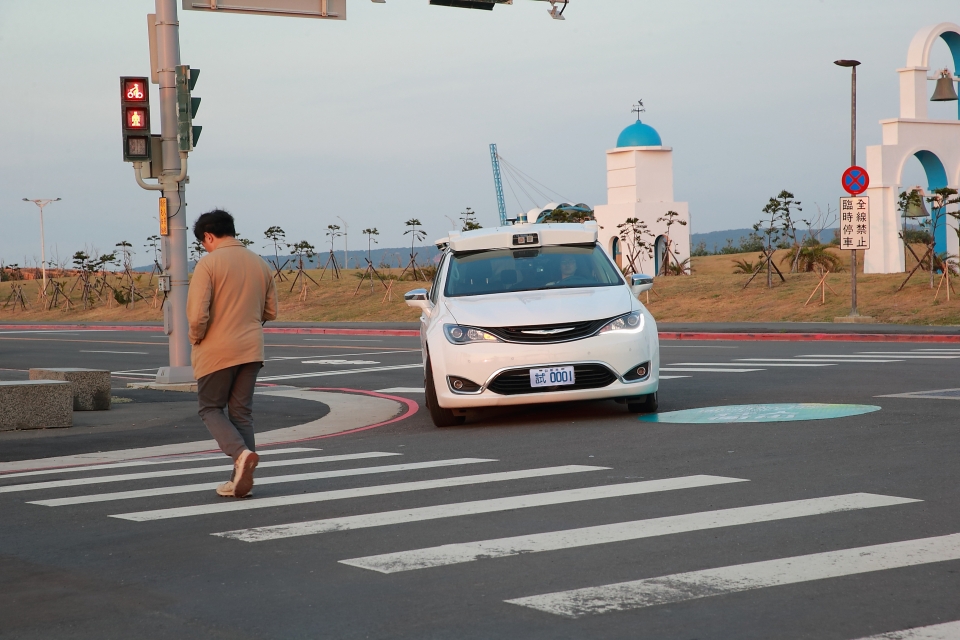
x,y
935,143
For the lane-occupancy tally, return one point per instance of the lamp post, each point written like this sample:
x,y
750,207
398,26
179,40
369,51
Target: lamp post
x,y
43,254
853,162
346,250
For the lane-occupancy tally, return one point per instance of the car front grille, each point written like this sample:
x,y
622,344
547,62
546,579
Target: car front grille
x,y
548,333
516,381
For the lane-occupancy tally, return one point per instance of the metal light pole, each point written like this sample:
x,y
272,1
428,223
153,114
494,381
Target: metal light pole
x,y
853,162
43,245
175,245
346,228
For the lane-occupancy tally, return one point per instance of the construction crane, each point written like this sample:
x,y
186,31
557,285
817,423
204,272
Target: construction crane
x,y
498,184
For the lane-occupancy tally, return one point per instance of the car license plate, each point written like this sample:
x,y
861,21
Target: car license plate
x,y
551,376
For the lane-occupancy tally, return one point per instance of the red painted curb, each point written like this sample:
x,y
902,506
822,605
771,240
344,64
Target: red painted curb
x,y
412,408
812,337
302,330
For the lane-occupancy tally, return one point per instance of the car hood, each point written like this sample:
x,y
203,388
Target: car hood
x,y
540,307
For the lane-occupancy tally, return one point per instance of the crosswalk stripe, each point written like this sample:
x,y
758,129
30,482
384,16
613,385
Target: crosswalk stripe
x,y
618,532
703,370
295,529
181,459
340,372
359,492
764,361
298,477
945,631
740,364
692,585
128,477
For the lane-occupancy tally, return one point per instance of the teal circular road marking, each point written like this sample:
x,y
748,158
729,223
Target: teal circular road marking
x,y
760,413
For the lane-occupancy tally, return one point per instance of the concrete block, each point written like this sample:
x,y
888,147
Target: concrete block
x,y
35,404
91,387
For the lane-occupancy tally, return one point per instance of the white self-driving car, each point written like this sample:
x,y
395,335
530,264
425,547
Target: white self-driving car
x,y
534,313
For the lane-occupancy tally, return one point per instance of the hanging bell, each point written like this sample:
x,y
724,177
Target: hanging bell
x,y
945,90
916,210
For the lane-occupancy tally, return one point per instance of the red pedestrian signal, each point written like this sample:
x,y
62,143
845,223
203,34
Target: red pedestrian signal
x,y
135,111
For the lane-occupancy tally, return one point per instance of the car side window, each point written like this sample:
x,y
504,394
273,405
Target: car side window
x,y
435,287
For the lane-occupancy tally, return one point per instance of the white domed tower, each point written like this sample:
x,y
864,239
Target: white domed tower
x,y
640,185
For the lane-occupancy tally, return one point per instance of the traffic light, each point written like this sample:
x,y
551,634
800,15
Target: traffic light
x,y
187,106
135,112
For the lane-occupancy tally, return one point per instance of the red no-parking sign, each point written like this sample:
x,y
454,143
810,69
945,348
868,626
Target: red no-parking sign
x,y
855,180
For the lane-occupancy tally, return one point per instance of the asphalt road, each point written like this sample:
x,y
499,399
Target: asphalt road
x,y
639,504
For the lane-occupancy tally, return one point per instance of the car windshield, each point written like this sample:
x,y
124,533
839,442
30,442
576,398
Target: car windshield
x,y
503,270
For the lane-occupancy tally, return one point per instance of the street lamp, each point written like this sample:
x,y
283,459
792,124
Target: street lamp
x,y
43,254
853,64
346,228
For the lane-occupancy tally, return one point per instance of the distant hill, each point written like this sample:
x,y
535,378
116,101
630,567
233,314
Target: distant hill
x,y
426,254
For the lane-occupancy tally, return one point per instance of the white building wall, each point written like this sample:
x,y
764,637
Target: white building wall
x,y
640,185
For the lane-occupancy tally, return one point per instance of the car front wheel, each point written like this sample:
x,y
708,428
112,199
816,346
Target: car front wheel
x,y
441,417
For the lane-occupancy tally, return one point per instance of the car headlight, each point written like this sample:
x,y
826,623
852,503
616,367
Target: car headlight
x,y
458,334
630,322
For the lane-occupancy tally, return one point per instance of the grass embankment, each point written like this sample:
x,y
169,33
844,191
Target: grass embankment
x,y
712,294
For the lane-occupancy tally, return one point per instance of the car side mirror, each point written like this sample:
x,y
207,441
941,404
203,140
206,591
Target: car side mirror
x,y
640,283
418,298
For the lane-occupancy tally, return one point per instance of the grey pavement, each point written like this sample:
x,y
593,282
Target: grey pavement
x,y
77,570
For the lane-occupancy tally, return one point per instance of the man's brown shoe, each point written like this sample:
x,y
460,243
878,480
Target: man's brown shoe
x,y
244,467
226,490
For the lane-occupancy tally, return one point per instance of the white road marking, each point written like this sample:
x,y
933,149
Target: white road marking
x,y
694,346
943,350
945,631
132,353
911,354
183,459
454,510
323,496
702,370
339,373
618,532
766,364
938,394
401,390
897,354
298,477
340,339
764,361
681,587
339,362
128,477
673,377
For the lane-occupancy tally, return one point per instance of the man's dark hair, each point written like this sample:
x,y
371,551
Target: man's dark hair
x,y
218,222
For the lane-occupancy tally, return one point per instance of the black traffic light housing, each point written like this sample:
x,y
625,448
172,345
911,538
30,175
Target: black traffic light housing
x,y
187,105
135,118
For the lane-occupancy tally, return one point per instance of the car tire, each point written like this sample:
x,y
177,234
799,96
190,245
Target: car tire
x,y
643,404
441,417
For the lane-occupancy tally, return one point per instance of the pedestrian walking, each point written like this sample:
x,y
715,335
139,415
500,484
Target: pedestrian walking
x,y
231,295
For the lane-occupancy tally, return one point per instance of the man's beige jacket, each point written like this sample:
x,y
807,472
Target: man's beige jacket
x,y
232,293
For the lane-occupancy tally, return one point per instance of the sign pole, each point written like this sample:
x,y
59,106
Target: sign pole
x,y
853,163
174,246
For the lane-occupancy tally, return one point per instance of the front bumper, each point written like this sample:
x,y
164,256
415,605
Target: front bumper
x,y
482,363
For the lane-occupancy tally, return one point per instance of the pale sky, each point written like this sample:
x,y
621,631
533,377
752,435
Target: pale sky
x,y
388,115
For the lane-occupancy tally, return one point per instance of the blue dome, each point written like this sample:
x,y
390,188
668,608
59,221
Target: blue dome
x,y
639,135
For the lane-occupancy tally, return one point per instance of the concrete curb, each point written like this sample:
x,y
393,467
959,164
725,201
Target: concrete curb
x,y
350,411
664,335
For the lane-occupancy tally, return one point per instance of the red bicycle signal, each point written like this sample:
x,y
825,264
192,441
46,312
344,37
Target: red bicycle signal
x,y
855,180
